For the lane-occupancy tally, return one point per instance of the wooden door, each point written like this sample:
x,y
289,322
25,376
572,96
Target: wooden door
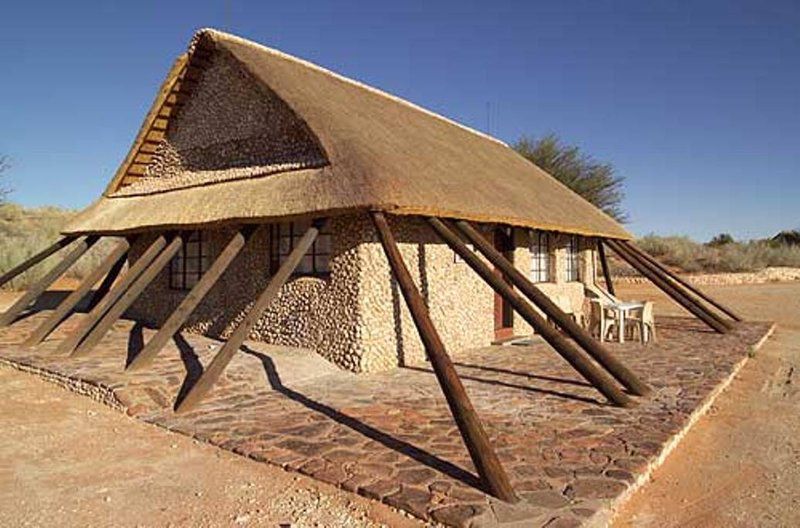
x,y
503,312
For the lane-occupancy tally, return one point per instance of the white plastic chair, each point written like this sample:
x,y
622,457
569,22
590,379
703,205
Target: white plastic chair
x,y
643,321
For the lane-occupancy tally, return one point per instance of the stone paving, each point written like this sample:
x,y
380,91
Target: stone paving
x,y
389,436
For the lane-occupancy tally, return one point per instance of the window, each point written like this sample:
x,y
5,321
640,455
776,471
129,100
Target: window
x,y
540,256
571,264
284,239
189,264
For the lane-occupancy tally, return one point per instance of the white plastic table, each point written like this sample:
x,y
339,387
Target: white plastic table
x,y
623,308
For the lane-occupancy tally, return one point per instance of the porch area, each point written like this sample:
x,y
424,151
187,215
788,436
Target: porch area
x,y
390,436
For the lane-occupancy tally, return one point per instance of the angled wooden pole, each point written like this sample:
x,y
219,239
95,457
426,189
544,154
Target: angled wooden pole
x,y
108,280
192,300
231,346
480,449
86,325
579,361
680,280
67,305
81,246
37,258
598,352
116,310
662,283
601,254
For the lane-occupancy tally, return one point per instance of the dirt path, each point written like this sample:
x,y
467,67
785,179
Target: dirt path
x,y
66,460
740,465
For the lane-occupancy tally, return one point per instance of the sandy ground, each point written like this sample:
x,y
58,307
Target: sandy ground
x,y
740,465
68,461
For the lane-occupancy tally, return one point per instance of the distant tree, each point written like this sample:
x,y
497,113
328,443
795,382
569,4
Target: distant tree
x,y
595,181
721,240
787,238
5,165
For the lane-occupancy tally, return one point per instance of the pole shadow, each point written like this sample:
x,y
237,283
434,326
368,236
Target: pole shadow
x,y
194,369
400,446
538,390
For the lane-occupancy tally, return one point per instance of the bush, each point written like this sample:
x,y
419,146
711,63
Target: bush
x,y
684,254
26,231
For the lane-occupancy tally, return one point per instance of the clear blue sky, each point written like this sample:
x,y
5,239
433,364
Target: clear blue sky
x,y
696,103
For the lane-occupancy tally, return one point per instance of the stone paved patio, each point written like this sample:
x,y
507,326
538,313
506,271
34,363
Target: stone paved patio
x,y
390,436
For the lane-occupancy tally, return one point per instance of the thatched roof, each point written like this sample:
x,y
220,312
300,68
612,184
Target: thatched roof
x,y
241,132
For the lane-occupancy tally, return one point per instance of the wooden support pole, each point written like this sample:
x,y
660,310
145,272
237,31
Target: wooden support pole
x,y
229,349
601,254
595,349
108,281
116,310
686,284
81,246
475,438
663,283
192,300
579,361
37,258
86,325
67,305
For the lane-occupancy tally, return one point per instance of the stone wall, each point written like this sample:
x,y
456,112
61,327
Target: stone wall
x,y
356,317
569,295
310,312
461,305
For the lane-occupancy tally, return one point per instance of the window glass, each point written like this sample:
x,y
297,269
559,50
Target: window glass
x,y
571,264
540,256
190,263
285,237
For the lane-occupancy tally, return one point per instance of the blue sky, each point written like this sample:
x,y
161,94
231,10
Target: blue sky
x,y
696,103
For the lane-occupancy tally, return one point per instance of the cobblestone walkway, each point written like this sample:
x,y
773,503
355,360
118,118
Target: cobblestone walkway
x,y
390,437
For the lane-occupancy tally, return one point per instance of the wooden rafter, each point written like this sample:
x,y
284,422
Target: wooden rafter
x,y
601,255
63,310
173,94
221,360
489,468
575,357
658,278
683,282
192,300
37,258
595,349
80,247
127,299
73,340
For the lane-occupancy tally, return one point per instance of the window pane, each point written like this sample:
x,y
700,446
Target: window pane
x,y
322,264
305,265
323,244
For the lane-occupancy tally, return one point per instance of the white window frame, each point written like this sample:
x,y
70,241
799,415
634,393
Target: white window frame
x,y
540,250
572,259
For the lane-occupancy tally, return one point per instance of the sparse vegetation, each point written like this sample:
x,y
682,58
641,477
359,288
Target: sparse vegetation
x,y
684,254
26,231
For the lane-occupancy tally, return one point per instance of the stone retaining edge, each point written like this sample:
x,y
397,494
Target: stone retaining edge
x,y
99,393
604,517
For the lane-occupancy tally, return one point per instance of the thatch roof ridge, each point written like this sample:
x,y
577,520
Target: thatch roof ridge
x,y
215,33
384,153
